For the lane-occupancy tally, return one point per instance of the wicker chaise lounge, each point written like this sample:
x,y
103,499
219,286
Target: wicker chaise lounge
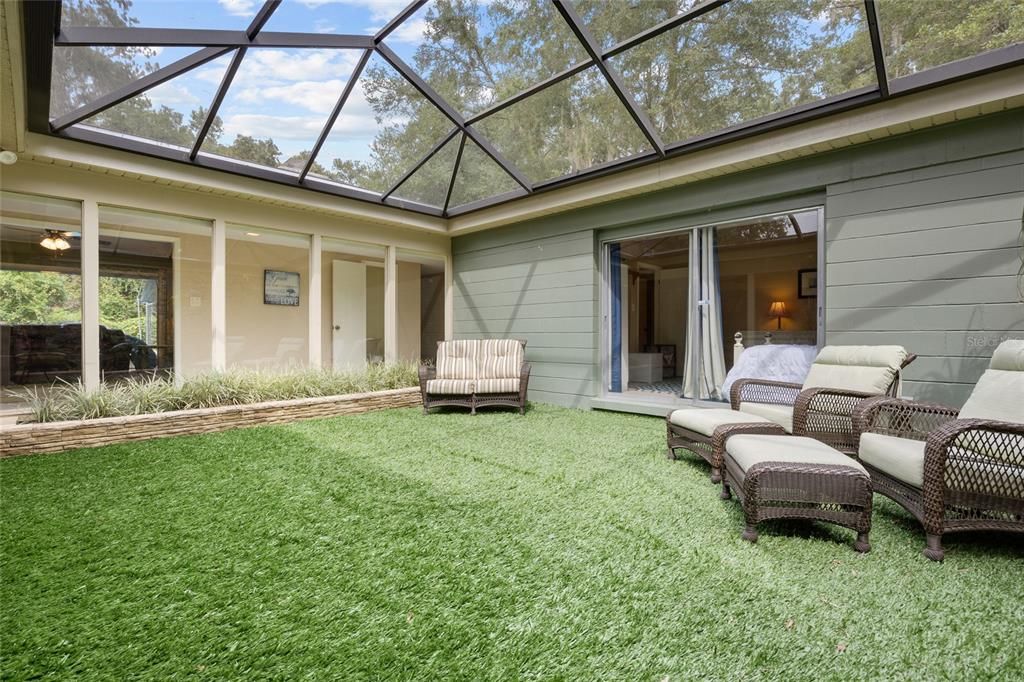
x,y
953,471
820,408
477,373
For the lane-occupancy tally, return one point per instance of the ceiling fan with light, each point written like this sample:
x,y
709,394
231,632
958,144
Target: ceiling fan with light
x,y
55,240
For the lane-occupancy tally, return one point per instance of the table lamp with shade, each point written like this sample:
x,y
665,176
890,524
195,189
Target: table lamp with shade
x,y
778,309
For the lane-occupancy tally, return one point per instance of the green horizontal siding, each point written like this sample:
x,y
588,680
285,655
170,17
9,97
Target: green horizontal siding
x,y
988,263
1002,208
525,296
985,317
973,236
532,310
929,258
922,250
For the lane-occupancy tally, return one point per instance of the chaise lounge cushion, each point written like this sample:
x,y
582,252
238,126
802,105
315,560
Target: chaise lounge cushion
x,y
780,414
706,421
981,464
748,450
999,393
451,386
868,369
901,458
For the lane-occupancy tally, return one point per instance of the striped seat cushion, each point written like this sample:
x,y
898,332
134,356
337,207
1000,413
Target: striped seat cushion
x,y
457,359
497,385
499,359
450,386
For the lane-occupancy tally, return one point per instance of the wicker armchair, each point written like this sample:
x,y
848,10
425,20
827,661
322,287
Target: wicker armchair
x,y
823,410
953,471
822,413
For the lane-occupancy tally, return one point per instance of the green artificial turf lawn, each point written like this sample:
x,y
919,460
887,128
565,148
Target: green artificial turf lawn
x,y
392,545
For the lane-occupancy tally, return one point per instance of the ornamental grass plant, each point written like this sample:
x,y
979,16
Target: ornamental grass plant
x,y
71,401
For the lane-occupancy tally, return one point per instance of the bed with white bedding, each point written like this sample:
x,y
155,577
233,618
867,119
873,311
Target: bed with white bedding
x,y
777,362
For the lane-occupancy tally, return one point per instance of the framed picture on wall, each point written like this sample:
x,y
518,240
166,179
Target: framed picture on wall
x,y
280,288
807,283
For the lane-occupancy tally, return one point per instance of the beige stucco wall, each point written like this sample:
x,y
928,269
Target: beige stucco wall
x,y
432,314
408,277
194,309
78,184
258,334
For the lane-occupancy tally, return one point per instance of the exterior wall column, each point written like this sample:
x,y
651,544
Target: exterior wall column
x,y
90,294
449,296
218,296
390,304
315,300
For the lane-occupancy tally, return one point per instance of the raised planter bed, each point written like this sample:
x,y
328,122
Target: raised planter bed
x,y
27,439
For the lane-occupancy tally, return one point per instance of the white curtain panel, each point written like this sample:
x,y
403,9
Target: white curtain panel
x,y
709,365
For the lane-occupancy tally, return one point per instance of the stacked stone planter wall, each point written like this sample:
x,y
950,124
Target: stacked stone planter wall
x,y
25,439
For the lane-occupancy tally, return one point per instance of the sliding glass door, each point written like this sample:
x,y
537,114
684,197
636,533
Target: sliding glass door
x,y
683,306
648,311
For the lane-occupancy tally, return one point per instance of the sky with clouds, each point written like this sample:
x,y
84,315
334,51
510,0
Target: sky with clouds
x,y
285,94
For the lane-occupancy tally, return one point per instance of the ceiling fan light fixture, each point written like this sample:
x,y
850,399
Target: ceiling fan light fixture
x,y
55,240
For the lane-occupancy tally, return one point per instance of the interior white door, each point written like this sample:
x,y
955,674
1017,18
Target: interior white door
x,y
348,319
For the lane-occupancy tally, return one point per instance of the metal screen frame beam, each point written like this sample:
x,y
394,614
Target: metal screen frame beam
x,y
261,18
878,54
139,86
573,70
326,130
454,116
90,36
42,22
611,75
218,98
455,172
43,32
950,72
239,168
419,164
229,75
664,27
410,10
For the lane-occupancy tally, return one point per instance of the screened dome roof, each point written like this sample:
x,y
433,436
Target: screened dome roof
x,y
446,106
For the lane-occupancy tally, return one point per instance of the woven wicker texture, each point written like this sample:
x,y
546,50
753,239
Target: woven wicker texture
x,y
833,493
973,476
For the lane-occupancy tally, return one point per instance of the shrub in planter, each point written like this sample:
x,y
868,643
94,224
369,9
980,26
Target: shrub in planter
x,y
70,401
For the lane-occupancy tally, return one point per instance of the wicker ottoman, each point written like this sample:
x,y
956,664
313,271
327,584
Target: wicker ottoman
x,y
792,477
705,432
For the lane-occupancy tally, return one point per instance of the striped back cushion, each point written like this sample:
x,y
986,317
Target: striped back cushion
x,y
456,359
499,358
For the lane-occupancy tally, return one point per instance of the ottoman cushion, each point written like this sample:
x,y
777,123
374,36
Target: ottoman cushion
x,y
706,421
748,450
